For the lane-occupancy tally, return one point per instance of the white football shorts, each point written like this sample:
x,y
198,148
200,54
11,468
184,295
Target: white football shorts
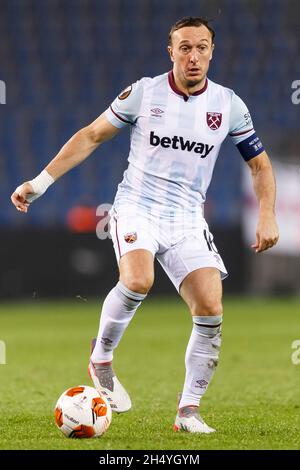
x,y
180,244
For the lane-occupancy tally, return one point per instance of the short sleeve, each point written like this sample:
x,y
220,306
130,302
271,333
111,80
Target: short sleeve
x,y
240,124
125,108
242,132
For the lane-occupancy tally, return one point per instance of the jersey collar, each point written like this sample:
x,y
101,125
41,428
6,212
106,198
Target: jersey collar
x,y
181,93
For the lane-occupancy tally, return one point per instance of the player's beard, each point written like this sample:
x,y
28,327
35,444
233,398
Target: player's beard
x,y
192,83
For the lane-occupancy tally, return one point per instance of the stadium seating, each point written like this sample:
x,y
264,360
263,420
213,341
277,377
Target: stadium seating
x,y
64,62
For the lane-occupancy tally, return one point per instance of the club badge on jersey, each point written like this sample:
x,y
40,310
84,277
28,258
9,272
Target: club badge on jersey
x,y
214,120
130,237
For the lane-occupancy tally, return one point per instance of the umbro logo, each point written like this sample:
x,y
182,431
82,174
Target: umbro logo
x,y
106,341
156,112
178,143
201,383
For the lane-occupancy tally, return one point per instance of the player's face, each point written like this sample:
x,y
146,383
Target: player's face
x,y
191,52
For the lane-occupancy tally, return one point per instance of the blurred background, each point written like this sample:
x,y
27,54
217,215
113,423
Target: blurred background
x,y
62,63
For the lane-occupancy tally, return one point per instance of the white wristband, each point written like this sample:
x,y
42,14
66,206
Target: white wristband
x,y
41,183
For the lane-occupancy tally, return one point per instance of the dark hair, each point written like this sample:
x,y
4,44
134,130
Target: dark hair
x,y
190,21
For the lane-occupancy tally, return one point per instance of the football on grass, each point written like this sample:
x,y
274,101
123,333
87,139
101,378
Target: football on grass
x,y
82,412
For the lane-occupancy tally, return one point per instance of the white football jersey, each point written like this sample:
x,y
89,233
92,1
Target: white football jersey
x,y
175,141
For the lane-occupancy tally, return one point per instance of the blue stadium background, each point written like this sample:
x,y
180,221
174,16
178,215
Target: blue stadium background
x,y
64,61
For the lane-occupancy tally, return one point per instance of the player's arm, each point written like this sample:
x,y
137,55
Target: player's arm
x,y
75,151
80,146
267,233
122,112
251,149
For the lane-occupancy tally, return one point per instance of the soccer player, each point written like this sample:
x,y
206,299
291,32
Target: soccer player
x,y
178,121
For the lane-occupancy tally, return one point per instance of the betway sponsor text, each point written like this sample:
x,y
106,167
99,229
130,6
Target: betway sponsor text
x,y
178,143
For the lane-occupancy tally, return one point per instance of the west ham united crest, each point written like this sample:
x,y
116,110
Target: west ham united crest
x,y
130,237
214,120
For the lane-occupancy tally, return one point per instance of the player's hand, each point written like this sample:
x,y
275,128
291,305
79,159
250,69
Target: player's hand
x,y
23,196
267,233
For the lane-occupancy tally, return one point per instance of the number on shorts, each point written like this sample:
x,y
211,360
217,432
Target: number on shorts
x,y
210,241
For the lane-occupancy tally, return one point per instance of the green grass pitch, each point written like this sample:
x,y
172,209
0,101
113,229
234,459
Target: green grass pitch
x,y
253,400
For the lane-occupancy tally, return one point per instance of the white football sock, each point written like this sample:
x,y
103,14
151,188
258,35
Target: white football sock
x,y
118,309
201,358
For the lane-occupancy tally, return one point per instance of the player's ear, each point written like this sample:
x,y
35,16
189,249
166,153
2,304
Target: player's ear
x,y
170,50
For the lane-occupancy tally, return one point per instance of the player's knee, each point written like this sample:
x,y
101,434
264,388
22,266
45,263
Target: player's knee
x,y
207,308
141,284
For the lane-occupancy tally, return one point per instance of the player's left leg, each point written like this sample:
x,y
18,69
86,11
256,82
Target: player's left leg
x,y
202,291
196,268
